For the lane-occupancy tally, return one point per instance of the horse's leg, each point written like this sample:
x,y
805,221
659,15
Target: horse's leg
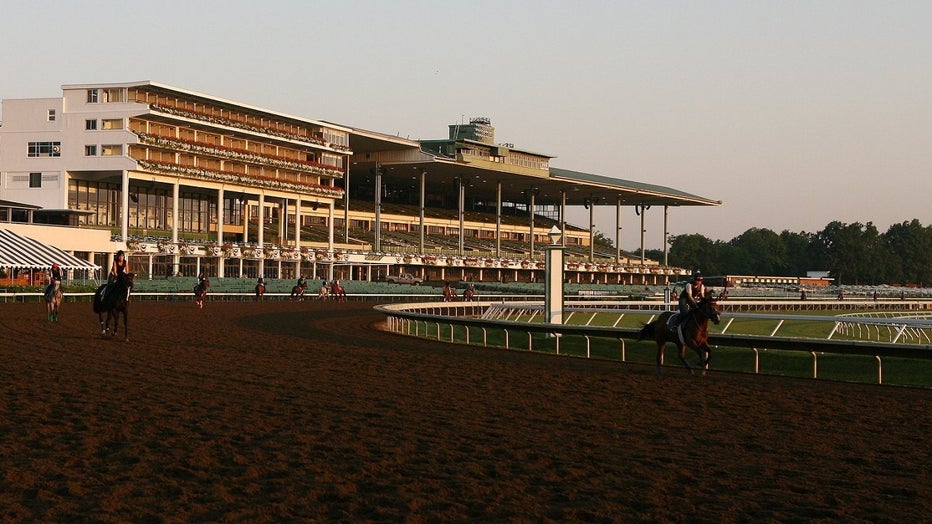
x,y
660,345
705,357
683,358
103,326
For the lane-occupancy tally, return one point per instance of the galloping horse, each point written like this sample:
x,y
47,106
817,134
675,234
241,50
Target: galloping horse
x,y
449,294
470,294
323,293
115,302
200,293
297,292
694,332
337,291
260,290
53,298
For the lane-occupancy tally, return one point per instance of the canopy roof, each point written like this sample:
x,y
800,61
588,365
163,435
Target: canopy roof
x,y
17,251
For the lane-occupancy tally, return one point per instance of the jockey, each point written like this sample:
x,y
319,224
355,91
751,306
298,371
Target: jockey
x,y
55,275
200,281
116,269
691,296
261,281
301,282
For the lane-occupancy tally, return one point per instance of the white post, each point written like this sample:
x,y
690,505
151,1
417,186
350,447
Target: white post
x,y
124,206
260,235
220,231
553,278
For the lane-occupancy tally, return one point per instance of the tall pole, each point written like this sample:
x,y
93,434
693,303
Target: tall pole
x,y
498,220
618,231
563,217
666,234
531,212
346,197
260,235
643,212
124,206
462,213
423,200
591,230
378,208
220,213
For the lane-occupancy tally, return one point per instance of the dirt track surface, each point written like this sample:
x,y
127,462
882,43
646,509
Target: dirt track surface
x,y
279,411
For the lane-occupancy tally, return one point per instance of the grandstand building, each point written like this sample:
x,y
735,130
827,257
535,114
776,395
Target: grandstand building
x,y
190,183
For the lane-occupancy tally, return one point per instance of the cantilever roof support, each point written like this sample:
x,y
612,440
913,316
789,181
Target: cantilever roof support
x,y
618,230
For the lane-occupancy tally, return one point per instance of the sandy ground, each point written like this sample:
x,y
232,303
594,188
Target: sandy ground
x,y
280,411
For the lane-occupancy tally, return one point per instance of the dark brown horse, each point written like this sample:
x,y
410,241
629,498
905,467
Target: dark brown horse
x,y
694,333
297,292
260,291
449,294
200,293
114,303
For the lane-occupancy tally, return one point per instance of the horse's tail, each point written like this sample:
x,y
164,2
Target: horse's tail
x,y
98,300
648,331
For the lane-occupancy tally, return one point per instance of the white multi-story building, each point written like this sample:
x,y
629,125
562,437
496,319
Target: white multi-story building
x,y
146,160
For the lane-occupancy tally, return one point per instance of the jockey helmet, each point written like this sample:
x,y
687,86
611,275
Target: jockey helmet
x,y
697,277
54,265
120,252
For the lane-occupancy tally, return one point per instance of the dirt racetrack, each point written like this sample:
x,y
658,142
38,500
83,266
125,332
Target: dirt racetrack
x,y
280,411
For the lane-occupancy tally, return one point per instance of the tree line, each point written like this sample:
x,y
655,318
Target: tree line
x,y
854,253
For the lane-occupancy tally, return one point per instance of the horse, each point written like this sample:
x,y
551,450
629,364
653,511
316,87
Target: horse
x,y
337,291
200,293
449,294
115,302
323,293
694,332
53,299
297,292
470,294
260,290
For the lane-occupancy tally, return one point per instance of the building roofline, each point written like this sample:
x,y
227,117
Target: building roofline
x,y
207,97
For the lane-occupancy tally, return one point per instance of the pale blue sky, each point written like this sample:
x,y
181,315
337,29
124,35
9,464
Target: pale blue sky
x,y
792,113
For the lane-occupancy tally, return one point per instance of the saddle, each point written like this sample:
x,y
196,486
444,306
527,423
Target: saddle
x,y
674,327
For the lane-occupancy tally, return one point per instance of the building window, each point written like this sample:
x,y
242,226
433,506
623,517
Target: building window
x,y
111,123
93,96
90,125
37,149
115,95
35,179
51,115
90,150
111,150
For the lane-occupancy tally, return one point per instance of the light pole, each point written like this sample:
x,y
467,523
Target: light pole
x,y
553,277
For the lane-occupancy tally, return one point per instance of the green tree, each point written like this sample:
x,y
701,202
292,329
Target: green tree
x,y
799,258
758,252
908,253
695,252
849,251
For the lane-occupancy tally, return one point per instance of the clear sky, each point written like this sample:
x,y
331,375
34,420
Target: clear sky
x,y
792,113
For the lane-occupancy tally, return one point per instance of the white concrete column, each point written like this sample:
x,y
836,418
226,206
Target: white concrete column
x,y
297,234
330,227
176,195
260,235
220,272
124,206
176,191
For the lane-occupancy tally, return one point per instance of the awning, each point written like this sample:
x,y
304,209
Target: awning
x,y
17,251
